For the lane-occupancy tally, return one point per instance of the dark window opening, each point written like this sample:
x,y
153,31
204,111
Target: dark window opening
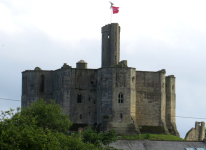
x,y
89,98
121,98
41,88
89,113
121,116
79,98
24,85
80,116
172,87
92,82
94,102
166,84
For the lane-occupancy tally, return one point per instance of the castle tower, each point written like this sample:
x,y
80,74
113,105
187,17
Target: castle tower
x,y
171,105
110,44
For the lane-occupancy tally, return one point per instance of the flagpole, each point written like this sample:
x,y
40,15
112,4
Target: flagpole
x,y
111,16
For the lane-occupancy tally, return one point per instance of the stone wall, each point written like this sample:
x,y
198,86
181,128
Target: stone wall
x,y
32,87
197,133
151,101
148,98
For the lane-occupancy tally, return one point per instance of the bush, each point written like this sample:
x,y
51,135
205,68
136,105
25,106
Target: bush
x,y
100,139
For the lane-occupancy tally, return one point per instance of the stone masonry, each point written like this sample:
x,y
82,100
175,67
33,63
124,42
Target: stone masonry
x,y
197,133
114,96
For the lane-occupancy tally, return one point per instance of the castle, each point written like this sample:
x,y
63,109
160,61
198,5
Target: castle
x,y
114,96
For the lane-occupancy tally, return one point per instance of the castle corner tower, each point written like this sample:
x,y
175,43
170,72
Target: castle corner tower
x,y
110,44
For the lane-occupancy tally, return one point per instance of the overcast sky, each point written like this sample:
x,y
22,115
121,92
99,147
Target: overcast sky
x,y
155,35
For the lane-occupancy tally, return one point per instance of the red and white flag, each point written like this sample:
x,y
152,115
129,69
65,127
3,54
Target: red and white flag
x,y
115,10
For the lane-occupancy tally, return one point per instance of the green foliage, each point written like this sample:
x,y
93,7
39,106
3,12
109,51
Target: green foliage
x,y
155,137
100,139
44,127
47,116
23,132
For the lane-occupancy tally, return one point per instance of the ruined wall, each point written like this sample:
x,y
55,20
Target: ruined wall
x,y
31,86
148,98
104,93
197,133
171,105
61,88
150,101
113,82
83,82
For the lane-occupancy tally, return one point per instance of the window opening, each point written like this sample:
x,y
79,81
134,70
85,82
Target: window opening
x,y
79,98
80,116
121,98
41,89
94,102
89,98
121,116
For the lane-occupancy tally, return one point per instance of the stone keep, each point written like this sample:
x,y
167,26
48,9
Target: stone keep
x,y
114,96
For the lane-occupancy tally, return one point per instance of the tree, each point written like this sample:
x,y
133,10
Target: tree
x,y
40,126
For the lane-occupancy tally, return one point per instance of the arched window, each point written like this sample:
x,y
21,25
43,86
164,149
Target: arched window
x,y
79,98
80,116
121,98
41,88
121,116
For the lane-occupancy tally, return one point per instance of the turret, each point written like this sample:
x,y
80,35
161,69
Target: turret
x,y
110,45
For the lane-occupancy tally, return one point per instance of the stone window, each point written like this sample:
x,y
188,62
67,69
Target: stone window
x,y
24,85
79,98
94,102
89,99
121,116
121,98
80,116
41,87
173,87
